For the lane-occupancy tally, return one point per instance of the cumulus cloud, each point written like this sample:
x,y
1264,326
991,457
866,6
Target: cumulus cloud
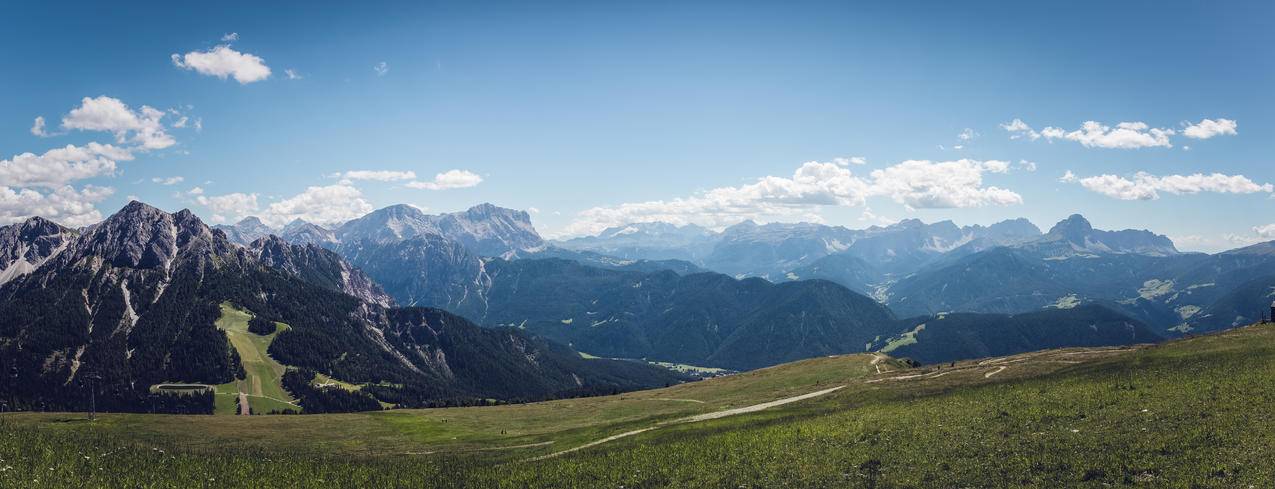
x,y
168,180
1145,186
328,205
222,61
914,183
37,127
1266,231
374,175
323,205
230,37
143,127
1019,129
1125,135
59,166
229,206
853,160
1208,128
448,180
381,68
64,204
947,184
292,74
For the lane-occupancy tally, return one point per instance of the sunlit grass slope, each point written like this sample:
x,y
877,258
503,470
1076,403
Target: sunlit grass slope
x,y
264,380
1189,413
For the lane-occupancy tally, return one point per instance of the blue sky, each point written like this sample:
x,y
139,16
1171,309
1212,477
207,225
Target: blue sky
x,y
594,113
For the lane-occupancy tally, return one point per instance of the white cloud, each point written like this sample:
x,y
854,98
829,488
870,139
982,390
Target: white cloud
x,y
533,210
1145,186
37,127
915,183
1027,165
381,68
1019,129
947,184
1125,135
168,180
222,61
1208,128
59,166
64,205
228,207
292,74
1266,232
448,180
375,175
231,37
967,134
143,128
328,205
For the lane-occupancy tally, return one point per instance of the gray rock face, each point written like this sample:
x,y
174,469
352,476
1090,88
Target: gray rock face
x,y
425,270
1075,236
318,266
485,229
24,246
489,230
301,232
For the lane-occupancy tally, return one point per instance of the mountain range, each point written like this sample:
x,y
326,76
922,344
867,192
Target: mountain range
x,y
427,309
132,303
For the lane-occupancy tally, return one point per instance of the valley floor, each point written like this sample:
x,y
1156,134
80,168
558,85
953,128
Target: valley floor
x,y
1188,413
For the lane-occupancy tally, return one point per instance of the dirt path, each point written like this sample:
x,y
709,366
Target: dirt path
x,y
994,372
243,404
697,418
675,400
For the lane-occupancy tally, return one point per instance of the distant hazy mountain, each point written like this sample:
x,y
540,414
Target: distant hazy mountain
x,y
1074,236
703,319
134,300
1139,273
301,232
961,336
648,241
245,231
791,251
486,230
612,262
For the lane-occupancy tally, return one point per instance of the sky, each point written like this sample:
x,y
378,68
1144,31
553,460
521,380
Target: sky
x,y
1144,115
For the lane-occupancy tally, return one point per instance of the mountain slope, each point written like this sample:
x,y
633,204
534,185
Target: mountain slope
x,y
318,266
24,246
960,336
702,319
135,301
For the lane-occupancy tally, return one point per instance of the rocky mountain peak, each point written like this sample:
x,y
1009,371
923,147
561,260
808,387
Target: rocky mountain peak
x,y
1073,226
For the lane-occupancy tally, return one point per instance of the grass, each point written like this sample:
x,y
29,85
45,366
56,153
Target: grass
x,y
264,380
1190,413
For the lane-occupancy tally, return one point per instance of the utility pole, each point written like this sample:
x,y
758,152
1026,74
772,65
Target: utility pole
x,y
92,378
13,380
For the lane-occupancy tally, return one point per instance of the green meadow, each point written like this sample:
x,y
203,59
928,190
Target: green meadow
x,y
1189,413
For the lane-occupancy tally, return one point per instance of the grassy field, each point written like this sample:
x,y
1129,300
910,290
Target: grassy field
x,y
264,380
1190,413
